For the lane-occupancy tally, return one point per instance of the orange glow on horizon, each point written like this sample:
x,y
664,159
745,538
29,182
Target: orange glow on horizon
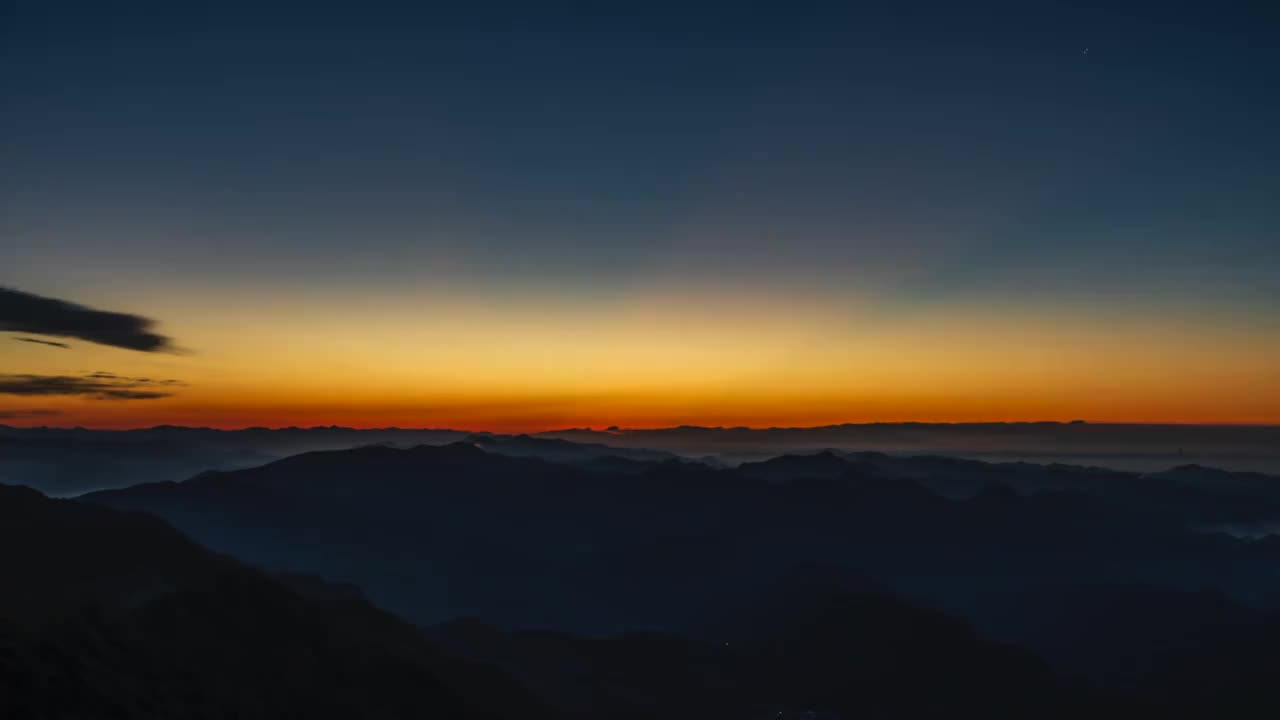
x,y
665,360
552,415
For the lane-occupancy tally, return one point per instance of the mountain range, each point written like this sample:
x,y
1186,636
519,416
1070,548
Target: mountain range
x,y
520,576
71,461
441,532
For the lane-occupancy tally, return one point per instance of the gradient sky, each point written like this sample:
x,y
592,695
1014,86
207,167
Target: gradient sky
x,y
779,214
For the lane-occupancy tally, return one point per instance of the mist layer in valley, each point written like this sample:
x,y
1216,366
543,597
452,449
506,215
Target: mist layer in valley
x,y
67,462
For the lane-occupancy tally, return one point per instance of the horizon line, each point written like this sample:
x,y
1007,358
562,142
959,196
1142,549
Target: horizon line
x,y
615,429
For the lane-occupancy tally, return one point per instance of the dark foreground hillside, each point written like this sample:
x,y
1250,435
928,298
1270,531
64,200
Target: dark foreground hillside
x,y
113,615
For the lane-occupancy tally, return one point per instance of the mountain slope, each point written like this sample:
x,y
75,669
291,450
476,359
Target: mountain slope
x,y
110,614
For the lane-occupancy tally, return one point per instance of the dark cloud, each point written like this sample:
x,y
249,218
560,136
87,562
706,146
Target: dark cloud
x,y
104,375
24,312
32,413
99,386
42,342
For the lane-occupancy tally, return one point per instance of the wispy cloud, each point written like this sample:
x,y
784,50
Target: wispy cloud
x,y
27,313
98,386
42,342
31,413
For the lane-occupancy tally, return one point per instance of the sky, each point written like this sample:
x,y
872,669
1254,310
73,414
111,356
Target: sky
x,y
516,218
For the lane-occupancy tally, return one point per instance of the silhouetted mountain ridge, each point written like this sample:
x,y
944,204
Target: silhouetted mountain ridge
x,y
658,545
69,461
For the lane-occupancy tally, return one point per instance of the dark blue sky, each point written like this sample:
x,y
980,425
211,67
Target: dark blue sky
x,y
593,134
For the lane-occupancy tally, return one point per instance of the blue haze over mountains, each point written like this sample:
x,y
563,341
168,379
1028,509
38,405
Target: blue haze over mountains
x,y
68,462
